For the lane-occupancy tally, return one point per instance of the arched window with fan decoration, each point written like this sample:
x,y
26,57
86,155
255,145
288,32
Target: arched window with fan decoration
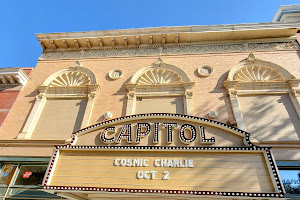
x,y
265,100
63,105
160,88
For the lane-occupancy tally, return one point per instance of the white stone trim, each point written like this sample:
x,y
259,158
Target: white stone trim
x,y
76,67
252,61
236,110
163,35
159,64
33,117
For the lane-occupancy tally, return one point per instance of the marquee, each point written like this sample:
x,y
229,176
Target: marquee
x,y
163,154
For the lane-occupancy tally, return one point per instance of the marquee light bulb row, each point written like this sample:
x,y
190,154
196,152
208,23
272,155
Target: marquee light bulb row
x,y
165,148
169,131
236,194
274,170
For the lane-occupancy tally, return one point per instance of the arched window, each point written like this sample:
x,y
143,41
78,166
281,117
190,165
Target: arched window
x,y
160,88
264,100
63,105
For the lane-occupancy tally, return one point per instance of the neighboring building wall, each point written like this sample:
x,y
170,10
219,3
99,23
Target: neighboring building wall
x,y
10,87
7,99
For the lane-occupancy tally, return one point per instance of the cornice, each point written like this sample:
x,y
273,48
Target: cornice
x,y
156,50
13,76
160,36
286,9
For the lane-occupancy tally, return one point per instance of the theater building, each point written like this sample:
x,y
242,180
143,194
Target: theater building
x,y
192,112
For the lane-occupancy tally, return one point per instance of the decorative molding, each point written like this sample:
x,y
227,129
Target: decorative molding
x,y
72,78
256,77
257,73
75,68
13,76
73,82
159,64
160,79
175,49
254,69
159,76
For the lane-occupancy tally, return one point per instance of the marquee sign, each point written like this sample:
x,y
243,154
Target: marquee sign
x,y
163,154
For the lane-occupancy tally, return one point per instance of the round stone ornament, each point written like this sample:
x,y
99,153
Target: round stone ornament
x,y
205,70
115,74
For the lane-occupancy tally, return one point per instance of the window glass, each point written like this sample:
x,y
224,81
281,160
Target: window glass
x,y
7,173
291,181
31,175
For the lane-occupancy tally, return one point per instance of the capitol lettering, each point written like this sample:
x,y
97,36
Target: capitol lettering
x,y
110,135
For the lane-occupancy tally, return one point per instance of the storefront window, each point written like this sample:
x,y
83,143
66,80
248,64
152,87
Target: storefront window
x,y
7,173
23,181
30,175
291,181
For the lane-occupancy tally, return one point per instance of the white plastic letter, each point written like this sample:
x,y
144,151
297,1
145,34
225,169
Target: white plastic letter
x,y
140,174
116,162
166,175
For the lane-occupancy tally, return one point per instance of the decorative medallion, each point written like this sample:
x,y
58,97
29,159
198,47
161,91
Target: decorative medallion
x,y
205,70
107,115
115,74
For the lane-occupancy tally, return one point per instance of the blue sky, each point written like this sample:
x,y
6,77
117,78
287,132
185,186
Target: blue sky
x,y
21,19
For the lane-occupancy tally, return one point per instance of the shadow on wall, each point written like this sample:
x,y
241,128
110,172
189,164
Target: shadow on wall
x,y
32,102
122,91
270,117
219,93
79,118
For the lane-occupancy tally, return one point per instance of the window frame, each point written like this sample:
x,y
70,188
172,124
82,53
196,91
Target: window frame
x,y
289,165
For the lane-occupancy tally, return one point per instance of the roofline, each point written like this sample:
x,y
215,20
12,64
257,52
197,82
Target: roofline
x,y
170,29
174,35
285,9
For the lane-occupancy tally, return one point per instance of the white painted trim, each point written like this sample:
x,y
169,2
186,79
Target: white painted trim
x,y
237,112
33,117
